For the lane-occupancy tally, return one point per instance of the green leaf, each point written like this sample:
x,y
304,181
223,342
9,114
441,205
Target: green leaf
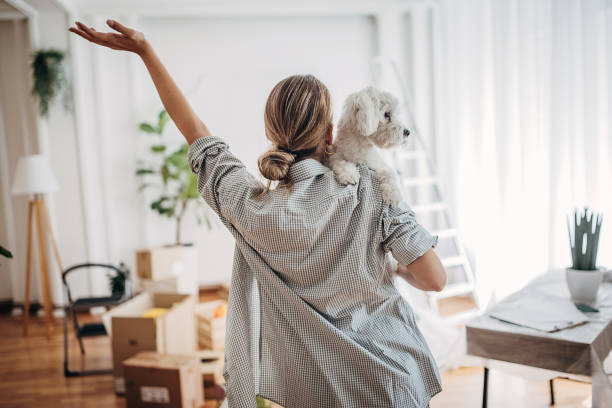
x,y
177,159
158,148
144,186
165,173
142,172
5,252
145,127
164,206
192,188
163,118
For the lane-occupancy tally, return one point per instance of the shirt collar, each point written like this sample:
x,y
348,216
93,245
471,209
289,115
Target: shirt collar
x,y
305,169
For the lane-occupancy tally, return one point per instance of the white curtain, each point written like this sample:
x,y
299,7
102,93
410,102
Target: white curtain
x,y
522,129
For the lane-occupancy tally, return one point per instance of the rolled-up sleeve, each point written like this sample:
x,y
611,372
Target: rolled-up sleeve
x,y
403,235
223,180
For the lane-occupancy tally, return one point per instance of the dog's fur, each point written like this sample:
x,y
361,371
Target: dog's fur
x,y
369,121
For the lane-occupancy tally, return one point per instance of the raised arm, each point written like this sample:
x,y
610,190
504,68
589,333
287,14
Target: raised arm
x,y
174,101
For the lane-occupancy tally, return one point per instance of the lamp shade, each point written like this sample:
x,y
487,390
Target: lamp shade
x,y
34,176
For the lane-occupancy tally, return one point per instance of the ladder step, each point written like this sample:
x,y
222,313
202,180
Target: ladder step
x,y
453,289
430,207
445,233
419,181
454,261
411,154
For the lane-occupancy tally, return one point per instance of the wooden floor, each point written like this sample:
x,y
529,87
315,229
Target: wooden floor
x,y
31,374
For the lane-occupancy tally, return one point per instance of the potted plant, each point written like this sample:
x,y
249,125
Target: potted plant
x,y
178,190
168,173
584,277
119,284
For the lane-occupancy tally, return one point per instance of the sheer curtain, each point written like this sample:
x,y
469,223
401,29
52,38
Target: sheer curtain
x,y
522,133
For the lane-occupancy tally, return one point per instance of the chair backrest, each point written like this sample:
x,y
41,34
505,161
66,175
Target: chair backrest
x,y
118,270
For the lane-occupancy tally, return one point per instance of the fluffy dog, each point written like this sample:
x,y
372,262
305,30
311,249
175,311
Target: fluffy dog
x,y
369,121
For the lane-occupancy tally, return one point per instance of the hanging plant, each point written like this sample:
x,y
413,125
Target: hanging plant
x,y
5,252
50,78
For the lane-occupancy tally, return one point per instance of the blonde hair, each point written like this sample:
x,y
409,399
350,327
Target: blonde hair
x,y
297,117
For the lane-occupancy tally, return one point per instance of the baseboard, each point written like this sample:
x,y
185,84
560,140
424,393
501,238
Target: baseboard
x,y
33,308
6,305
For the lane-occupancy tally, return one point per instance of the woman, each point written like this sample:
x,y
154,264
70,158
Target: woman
x,y
314,319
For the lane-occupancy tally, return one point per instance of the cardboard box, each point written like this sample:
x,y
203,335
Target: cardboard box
x,y
172,332
211,329
223,291
179,262
157,286
163,380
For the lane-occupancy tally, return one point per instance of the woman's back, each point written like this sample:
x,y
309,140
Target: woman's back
x,y
313,277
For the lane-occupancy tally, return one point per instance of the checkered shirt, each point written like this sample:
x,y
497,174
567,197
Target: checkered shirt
x,y
314,319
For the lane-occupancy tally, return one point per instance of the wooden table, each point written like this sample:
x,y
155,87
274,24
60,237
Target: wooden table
x,y
578,351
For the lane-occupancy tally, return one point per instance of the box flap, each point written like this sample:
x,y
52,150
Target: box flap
x,y
133,307
168,299
158,360
179,326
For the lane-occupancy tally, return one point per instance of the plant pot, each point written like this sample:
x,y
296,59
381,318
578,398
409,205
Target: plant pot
x,y
167,263
583,285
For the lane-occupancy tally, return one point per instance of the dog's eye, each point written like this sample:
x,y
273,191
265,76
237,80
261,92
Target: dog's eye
x,y
388,115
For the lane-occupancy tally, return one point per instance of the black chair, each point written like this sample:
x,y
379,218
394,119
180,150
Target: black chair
x,y
72,307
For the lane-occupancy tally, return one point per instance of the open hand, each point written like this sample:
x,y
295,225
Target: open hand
x,y
128,39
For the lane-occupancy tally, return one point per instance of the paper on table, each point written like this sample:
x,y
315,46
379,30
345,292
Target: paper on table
x,y
546,313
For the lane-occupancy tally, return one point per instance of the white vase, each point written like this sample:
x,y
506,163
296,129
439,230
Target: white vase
x,y
583,285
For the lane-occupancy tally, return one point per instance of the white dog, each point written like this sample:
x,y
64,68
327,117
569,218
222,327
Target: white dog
x,y
369,121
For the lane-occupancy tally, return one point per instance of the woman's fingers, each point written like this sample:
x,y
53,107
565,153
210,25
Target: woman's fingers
x,y
115,25
93,33
81,33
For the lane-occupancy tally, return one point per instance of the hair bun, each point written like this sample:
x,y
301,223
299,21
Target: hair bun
x,y
274,164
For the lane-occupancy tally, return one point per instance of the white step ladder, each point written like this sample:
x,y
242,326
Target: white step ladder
x,y
417,170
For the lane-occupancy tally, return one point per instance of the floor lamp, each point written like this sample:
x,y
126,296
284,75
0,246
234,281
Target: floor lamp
x,y
34,178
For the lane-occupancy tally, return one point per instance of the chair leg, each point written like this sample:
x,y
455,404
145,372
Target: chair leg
x,y
76,331
485,387
66,370
552,391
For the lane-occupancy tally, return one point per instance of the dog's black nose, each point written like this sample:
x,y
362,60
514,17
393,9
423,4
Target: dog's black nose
x,y
406,133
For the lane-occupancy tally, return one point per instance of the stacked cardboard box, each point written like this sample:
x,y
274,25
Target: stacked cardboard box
x,y
163,380
210,318
162,322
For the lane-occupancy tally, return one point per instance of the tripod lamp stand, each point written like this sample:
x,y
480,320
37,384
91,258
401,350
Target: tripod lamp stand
x,y
34,178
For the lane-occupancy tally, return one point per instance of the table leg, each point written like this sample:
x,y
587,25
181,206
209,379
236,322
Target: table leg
x,y
552,391
485,387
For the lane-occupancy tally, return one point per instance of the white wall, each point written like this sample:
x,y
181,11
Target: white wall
x,y
17,135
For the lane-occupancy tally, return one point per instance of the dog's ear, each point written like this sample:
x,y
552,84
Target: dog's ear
x,y
363,107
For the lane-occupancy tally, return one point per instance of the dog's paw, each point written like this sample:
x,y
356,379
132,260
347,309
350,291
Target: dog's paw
x,y
391,194
346,172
